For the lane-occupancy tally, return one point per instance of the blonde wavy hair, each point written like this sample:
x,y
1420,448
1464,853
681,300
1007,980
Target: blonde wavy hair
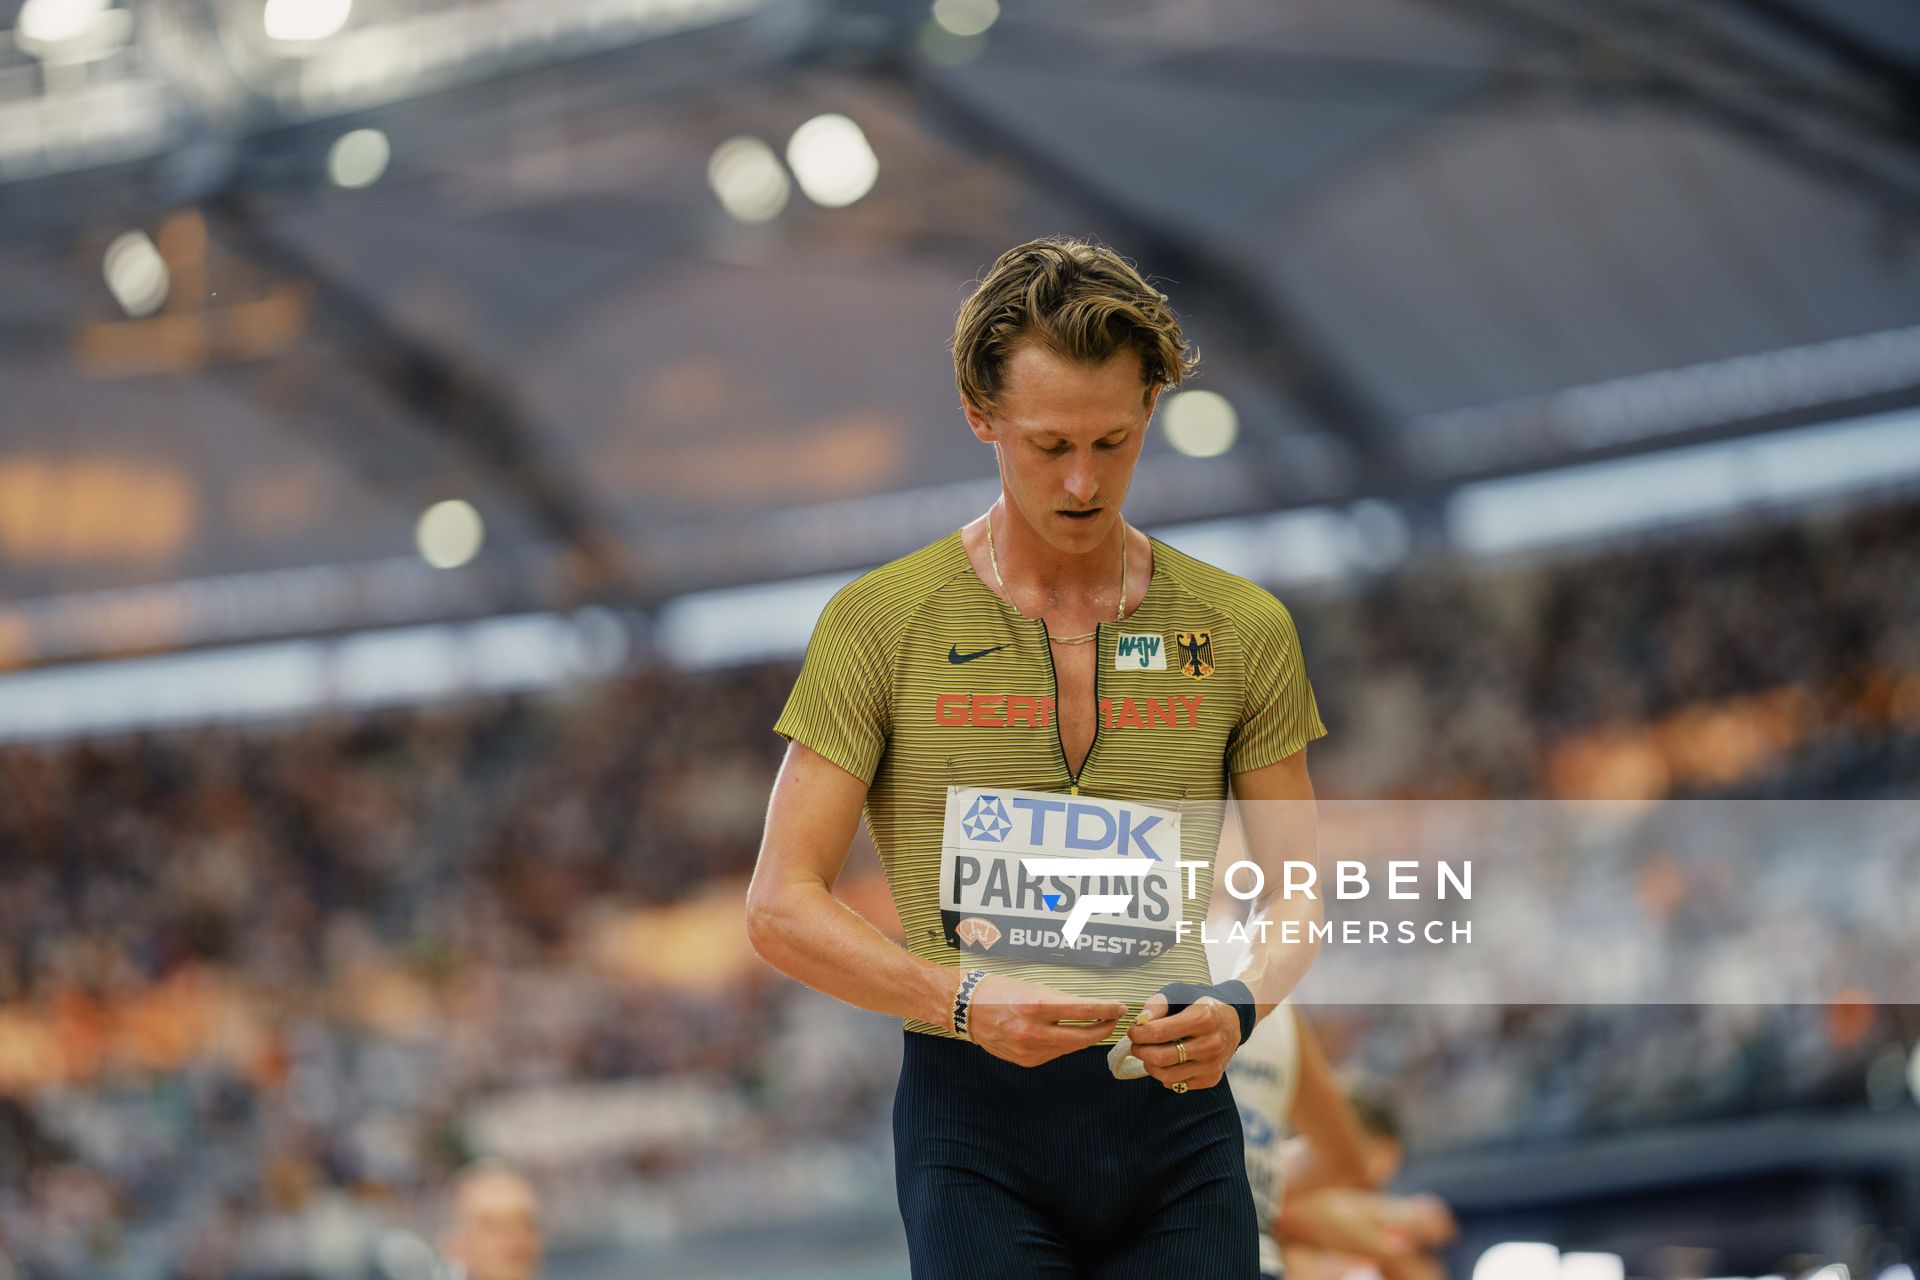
x,y
1076,299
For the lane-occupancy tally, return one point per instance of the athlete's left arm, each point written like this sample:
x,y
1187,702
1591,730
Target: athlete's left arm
x,y
1276,810
1279,827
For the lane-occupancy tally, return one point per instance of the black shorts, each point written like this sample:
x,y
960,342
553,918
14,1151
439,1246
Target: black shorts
x,y
1063,1171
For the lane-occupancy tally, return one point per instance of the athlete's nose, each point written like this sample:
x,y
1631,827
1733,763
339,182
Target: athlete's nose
x,y
1081,485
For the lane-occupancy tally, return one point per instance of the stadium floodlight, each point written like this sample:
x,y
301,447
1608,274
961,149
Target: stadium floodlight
x,y
450,534
729,625
296,21
357,159
1592,1266
136,274
388,666
1694,482
746,176
1518,1260
45,23
1200,424
832,160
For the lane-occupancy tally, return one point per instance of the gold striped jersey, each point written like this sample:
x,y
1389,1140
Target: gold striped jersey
x,y
920,679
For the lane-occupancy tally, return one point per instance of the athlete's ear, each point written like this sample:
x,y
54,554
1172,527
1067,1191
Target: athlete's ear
x,y
1153,399
982,426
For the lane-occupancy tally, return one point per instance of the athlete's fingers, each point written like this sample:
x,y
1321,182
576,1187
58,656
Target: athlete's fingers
x,y
1194,1020
1106,1011
1086,1037
1038,1039
1397,1242
1043,1003
1412,1266
1168,1075
1044,1030
1208,1047
1192,1075
1208,1044
1195,1075
1429,1219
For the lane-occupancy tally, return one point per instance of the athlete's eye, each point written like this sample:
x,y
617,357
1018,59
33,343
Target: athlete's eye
x,y
1112,444
1056,450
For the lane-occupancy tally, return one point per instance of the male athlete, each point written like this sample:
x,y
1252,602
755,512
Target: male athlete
x,y
1048,683
1332,1232
1317,1196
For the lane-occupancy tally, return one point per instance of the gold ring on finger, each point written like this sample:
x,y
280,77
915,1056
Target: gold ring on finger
x,y
1178,1086
1180,1046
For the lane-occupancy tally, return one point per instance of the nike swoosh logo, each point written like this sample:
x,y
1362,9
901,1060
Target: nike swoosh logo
x,y
956,657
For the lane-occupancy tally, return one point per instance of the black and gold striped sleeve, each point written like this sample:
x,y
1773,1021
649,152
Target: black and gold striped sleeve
x,y
841,704
1280,715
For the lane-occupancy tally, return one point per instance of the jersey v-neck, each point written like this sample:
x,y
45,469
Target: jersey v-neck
x,y
1105,633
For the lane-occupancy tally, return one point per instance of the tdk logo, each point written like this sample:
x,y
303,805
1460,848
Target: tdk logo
x,y
1080,826
1139,651
987,820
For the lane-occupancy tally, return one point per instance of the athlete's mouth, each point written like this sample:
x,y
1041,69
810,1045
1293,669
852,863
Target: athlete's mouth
x,y
1081,515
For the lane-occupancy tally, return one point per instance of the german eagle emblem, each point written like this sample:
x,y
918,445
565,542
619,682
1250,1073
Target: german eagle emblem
x,y
1196,652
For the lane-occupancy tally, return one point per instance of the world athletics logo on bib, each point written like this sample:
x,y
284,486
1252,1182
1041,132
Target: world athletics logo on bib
x,y
1010,881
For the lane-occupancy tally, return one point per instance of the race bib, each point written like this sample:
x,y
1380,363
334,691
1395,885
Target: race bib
x,y
1036,875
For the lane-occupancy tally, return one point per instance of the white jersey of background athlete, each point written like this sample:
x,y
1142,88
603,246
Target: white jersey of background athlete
x,y
1264,1073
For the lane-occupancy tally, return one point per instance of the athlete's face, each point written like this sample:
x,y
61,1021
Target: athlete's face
x,y
496,1230
1068,436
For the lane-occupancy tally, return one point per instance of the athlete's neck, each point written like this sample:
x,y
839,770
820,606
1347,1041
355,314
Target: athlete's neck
x,y
1030,566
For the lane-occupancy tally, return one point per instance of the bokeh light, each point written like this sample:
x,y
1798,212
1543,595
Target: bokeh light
x,y
1200,424
832,161
1592,1266
450,534
966,17
136,274
1518,1260
746,176
296,20
49,22
357,159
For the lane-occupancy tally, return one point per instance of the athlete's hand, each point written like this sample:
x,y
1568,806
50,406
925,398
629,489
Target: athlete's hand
x,y
1425,1218
1209,1028
1383,1228
1412,1266
1022,1021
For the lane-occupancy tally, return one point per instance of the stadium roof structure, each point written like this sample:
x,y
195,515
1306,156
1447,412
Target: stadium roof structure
x,y
1419,243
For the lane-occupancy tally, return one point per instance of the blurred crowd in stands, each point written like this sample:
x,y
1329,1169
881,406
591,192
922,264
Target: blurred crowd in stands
x,y
262,987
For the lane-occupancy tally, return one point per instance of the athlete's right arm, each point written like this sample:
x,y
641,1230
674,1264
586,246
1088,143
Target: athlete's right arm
x,y
1322,1114
798,926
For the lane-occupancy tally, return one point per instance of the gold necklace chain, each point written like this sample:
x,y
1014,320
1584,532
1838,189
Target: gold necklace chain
x,y
1119,612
